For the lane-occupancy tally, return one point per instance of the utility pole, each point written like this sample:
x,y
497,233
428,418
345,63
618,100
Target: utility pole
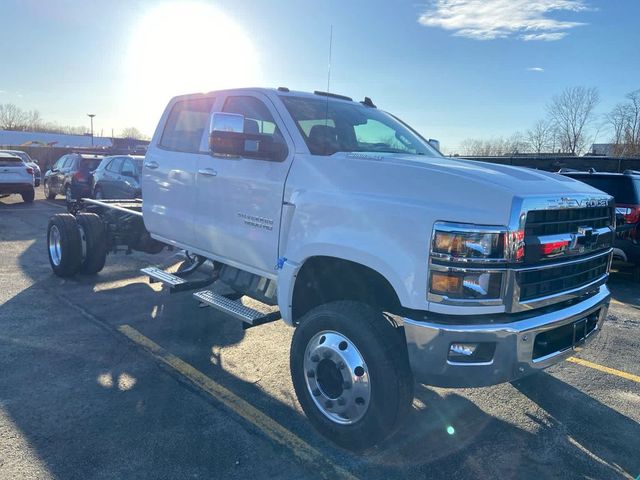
x,y
91,115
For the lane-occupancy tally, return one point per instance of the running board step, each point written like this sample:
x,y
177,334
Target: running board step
x,y
236,309
175,283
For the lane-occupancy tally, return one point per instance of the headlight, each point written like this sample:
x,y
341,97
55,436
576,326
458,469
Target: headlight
x,y
466,262
460,242
467,285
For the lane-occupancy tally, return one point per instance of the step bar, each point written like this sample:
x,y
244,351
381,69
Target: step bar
x,y
175,282
236,309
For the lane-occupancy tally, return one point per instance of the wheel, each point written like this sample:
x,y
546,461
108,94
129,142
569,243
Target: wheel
x,y
28,195
64,245
351,373
97,193
67,194
92,236
47,192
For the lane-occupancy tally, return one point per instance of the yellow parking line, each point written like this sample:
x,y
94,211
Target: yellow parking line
x,y
602,368
276,432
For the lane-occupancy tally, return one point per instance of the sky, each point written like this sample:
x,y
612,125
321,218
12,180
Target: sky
x,y
453,69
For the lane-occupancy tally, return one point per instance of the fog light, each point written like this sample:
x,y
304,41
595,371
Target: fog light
x,y
466,349
482,352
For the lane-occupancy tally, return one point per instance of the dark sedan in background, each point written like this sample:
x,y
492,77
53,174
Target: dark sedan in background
x,y
118,176
71,176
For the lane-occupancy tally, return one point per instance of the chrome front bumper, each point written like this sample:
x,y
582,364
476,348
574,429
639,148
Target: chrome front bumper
x,y
429,344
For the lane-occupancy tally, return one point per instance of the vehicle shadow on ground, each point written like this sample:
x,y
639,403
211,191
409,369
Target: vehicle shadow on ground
x,y
87,409
450,436
624,289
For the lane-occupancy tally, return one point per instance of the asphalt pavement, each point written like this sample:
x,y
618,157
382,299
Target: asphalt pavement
x,y
108,376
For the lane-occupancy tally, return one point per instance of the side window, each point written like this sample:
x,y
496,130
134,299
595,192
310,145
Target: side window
x,y
257,119
128,168
59,162
114,165
185,125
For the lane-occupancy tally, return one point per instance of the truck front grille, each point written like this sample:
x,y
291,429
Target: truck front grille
x,y
566,220
542,282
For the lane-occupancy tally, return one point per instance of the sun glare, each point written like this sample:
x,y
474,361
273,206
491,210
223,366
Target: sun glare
x,y
184,47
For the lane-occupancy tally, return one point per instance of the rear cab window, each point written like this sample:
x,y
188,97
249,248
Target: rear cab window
x,y
186,124
9,161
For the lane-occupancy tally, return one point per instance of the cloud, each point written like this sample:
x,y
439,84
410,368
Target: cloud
x,y
535,69
527,20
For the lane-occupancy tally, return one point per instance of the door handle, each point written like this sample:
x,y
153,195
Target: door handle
x,y
209,172
152,165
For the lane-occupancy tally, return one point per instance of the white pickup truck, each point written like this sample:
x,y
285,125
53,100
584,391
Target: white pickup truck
x,y
394,263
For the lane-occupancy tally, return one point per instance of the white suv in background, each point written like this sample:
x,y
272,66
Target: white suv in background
x,y
16,177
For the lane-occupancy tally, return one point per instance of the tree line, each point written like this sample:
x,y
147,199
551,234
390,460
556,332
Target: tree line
x,y
568,128
16,119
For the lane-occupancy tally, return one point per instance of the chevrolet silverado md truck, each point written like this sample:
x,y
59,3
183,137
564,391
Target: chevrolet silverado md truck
x,y
393,263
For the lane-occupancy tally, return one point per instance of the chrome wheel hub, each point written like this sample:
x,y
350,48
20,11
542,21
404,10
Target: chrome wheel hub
x,y
337,377
55,249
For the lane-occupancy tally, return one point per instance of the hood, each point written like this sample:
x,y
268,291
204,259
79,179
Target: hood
x,y
455,190
519,181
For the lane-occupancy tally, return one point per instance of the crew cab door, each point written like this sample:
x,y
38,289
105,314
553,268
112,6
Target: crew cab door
x,y
169,171
240,198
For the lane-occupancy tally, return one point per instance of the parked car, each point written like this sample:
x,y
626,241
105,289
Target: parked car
x,y
26,158
118,177
71,176
625,188
16,177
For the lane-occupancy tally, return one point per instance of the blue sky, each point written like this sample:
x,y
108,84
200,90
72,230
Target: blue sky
x,y
451,68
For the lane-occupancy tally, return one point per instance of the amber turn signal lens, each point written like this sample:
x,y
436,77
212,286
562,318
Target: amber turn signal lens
x,y
445,283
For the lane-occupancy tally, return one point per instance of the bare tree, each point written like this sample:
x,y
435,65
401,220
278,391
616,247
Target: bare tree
x,y
32,121
132,132
540,137
571,113
11,117
624,120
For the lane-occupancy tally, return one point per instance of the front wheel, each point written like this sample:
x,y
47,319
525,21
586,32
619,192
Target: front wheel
x,y
351,373
97,193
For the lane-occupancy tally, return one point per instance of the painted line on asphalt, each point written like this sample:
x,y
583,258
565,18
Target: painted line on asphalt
x,y
272,429
602,368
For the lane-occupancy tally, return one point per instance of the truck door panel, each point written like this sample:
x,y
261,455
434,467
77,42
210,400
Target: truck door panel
x,y
240,206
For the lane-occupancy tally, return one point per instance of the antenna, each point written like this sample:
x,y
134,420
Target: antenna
x,y
329,66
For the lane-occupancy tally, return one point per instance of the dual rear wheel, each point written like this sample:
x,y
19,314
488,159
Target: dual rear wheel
x,y
76,244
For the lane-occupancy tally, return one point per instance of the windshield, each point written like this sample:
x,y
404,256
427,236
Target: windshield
x,y
329,126
23,155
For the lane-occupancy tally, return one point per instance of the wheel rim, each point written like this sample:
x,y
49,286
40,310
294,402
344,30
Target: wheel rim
x,y
67,194
337,377
55,246
46,189
98,194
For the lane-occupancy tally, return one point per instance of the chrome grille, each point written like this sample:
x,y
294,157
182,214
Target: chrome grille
x,y
542,282
566,220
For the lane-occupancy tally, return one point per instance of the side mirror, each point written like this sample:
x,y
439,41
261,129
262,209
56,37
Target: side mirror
x,y
434,143
227,136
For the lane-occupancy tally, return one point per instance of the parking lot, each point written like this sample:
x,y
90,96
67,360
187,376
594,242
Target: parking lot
x,y
111,377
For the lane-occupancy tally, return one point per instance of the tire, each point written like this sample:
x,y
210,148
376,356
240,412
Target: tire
x,y
64,247
28,195
47,192
67,194
354,416
97,193
93,234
